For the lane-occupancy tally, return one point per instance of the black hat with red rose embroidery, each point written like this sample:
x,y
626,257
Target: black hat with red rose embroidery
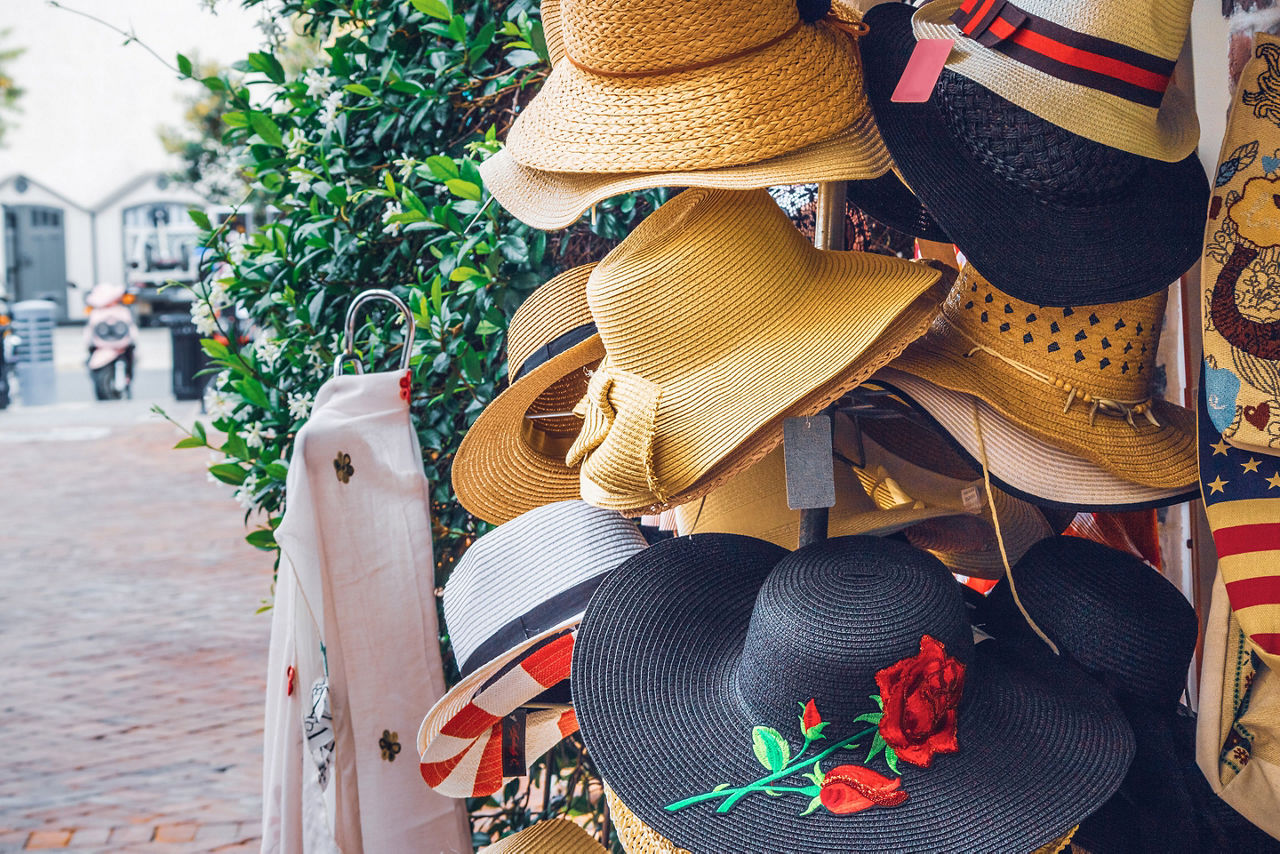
x,y
740,697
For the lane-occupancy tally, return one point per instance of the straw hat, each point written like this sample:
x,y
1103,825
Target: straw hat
x,y
511,607
720,320
707,668
1078,378
1098,68
884,495
671,85
512,458
550,836
1049,199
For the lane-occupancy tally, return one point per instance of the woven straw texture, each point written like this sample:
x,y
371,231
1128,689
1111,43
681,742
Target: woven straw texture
x,y
985,342
1118,618
720,320
528,560
690,645
754,503
555,200
508,464
1019,461
551,836
727,113
1156,27
1042,192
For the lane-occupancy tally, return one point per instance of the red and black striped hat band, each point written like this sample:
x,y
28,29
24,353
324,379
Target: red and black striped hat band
x,y
1075,57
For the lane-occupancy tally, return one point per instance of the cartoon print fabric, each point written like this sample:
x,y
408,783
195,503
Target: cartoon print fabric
x,y
1241,272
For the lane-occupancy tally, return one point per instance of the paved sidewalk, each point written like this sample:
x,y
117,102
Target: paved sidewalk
x,y
130,654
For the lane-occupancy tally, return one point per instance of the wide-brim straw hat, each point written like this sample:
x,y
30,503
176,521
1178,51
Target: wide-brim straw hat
x,y
1018,461
1145,38
673,86
1080,378
719,321
511,607
511,460
549,836
888,200
1022,197
702,664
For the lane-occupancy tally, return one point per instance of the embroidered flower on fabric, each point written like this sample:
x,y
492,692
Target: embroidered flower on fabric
x,y
406,386
343,468
916,719
390,744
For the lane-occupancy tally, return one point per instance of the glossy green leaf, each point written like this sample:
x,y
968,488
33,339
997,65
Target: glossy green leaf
x,y
770,748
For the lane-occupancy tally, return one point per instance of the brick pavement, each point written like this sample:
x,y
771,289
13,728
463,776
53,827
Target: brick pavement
x,y
131,658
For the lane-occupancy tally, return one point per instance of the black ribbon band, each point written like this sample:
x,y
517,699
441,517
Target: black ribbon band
x,y
554,347
547,614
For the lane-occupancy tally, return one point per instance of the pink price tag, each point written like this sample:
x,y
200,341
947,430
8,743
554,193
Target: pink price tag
x,y
922,71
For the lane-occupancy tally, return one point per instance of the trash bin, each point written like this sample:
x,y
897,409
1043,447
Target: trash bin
x,y
33,325
188,358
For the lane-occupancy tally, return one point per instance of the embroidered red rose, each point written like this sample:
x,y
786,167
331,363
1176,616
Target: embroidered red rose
x,y
920,697
809,719
851,788
406,385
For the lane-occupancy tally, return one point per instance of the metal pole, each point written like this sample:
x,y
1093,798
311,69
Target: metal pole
x,y
828,233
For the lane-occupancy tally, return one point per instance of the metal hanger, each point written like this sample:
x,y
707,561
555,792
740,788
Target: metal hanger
x,y
349,330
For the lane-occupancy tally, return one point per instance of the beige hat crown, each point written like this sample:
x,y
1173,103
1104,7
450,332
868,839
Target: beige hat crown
x,y
556,308
618,37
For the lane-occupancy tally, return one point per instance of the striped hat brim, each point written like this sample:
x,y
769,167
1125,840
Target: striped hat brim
x,y
460,740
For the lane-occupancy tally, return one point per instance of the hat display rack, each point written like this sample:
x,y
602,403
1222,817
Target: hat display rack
x,y
863,458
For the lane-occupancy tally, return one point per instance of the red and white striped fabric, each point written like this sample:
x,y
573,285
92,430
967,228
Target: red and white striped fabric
x,y
460,742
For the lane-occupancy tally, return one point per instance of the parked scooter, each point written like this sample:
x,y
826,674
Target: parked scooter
x,y
110,335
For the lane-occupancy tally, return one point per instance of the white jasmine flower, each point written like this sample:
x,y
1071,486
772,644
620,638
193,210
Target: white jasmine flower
x,y
245,494
235,249
202,317
220,404
315,355
392,209
256,436
329,109
299,406
301,177
218,298
294,142
268,347
318,82
404,167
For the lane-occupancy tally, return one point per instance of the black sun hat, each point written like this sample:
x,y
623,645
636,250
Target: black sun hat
x,y
738,697
1019,195
1133,631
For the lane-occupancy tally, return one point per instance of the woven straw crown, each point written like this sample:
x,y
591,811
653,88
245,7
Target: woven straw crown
x,y
557,307
550,836
529,560
717,317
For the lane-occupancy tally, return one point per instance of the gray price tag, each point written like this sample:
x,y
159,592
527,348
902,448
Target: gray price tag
x,y
806,449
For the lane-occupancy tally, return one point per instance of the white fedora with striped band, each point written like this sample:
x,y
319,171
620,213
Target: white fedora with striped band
x,y
512,607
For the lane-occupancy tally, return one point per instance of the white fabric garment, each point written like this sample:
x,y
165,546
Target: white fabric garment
x,y
356,547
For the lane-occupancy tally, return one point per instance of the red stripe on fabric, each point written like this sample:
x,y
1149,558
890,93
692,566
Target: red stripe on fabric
x,y
1242,539
551,663
471,722
1268,642
489,772
568,723
967,6
1074,56
978,16
1001,28
1248,592
436,773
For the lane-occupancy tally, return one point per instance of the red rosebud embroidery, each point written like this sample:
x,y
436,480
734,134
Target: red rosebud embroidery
x,y
920,696
290,674
852,788
406,385
810,718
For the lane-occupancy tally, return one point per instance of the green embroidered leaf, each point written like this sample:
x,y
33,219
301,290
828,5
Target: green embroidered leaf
x,y
869,717
877,745
879,702
771,748
815,732
817,776
891,759
813,805
721,786
771,793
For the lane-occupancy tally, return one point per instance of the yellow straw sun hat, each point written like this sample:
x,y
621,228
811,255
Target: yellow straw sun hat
x,y
512,458
1096,68
555,199
674,85
1079,378
719,321
552,836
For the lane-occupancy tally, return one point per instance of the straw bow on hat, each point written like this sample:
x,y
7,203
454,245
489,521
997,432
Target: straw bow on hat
x,y
719,320
553,197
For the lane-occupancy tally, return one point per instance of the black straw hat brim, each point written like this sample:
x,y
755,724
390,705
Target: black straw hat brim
x,y
1126,246
887,200
655,685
